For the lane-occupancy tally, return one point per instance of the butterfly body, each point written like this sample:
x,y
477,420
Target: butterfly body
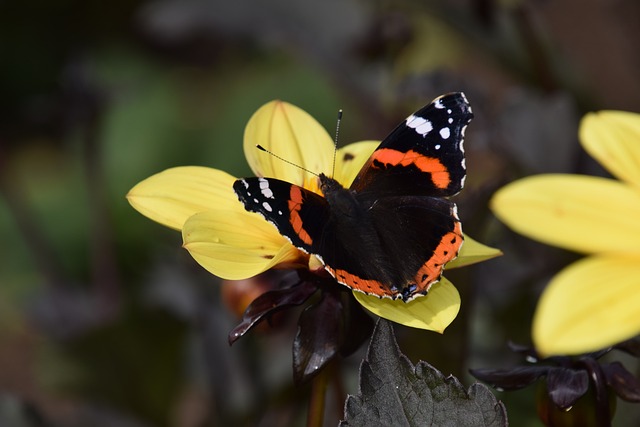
x,y
392,231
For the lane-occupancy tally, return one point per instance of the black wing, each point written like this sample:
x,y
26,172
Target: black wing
x,y
420,235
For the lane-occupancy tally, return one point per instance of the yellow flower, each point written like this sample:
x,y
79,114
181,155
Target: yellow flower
x,y
595,302
235,244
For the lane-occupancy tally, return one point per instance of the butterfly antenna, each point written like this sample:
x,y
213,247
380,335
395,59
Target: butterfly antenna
x,y
261,148
335,142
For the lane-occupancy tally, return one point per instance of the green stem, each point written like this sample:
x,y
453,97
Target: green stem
x,y
317,400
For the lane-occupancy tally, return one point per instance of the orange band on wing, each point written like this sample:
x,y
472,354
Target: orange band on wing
x,y
439,173
295,204
368,286
446,251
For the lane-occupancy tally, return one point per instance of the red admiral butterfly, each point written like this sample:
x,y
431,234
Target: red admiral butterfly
x,y
392,231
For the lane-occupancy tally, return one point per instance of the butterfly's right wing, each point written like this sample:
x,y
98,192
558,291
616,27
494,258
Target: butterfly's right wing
x,y
423,156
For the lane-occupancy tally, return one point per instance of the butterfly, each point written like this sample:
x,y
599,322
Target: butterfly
x,y
392,231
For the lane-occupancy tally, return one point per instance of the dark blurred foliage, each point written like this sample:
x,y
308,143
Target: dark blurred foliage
x,y
106,321
572,391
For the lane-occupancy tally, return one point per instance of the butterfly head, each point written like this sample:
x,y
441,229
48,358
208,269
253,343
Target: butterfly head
x,y
328,185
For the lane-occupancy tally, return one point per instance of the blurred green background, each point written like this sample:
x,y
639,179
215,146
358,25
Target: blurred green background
x,y
106,321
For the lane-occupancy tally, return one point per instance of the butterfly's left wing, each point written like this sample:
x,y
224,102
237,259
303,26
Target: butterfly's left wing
x,y
299,215
424,155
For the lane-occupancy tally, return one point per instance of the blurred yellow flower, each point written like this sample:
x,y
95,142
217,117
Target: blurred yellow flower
x,y
235,244
595,302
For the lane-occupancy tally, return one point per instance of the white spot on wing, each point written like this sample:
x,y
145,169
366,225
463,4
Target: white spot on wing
x,y
264,188
454,211
438,104
421,125
267,206
445,133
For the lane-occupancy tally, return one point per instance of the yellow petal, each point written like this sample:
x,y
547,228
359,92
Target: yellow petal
x,y
473,252
351,158
613,139
434,311
235,245
291,133
581,213
589,305
172,196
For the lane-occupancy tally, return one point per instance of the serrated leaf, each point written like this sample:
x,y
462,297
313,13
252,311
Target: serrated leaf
x,y
395,392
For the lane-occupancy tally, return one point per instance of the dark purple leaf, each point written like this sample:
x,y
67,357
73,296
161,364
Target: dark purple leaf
x,y
598,382
269,303
511,378
631,347
320,332
528,352
358,326
565,386
622,382
598,354
394,392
